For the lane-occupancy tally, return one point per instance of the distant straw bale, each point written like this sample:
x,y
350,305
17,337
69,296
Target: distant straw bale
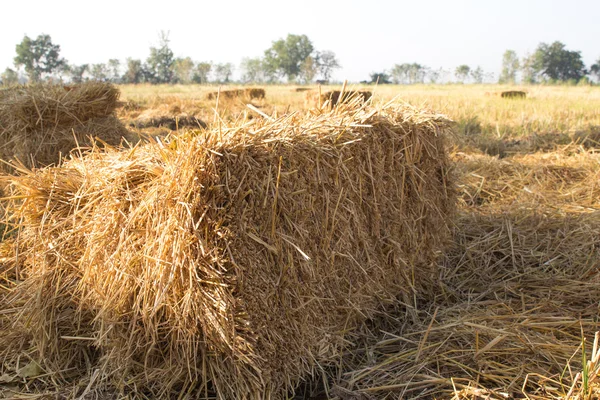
x,y
255,93
513,94
156,119
229,264
302,89
41,123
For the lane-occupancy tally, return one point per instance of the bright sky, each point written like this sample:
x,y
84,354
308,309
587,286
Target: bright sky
x,y
366,36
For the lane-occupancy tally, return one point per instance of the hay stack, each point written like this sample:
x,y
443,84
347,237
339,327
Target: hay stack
x,y
39,123
333,97
250,93
157,119
513,94
231,262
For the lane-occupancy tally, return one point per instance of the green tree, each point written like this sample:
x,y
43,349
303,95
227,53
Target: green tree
x,y
510,66
308,70
223,72
462,73
477,74
408,73
285,56
76,72
183,68
595,70
201,72
380,78
38,56
9,77
559,64
114,68
160,62
531,68
253,70
135,71
326,63
99,72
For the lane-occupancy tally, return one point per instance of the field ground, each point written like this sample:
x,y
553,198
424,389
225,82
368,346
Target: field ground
x,y
516,311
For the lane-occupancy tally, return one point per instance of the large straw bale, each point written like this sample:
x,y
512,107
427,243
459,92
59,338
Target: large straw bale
x,y
230,262
40,123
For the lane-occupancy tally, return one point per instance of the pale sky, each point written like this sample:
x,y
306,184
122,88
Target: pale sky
x,y
367,36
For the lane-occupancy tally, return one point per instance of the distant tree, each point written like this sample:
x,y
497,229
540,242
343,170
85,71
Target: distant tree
x,y
159,64
38,56
326,63
462,73
380,78
183,68
253,70
135,71
510,66
99,72
478,75
308,70
434,75
223,72
531,68
9,77
201,72
285,56
559,64
595,70
76,72
114,70
408,73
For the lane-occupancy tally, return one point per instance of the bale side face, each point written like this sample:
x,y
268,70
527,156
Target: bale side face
x,y
239,260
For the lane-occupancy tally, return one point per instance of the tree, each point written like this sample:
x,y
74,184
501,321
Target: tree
x,y
135,72
76,72
380,77
308,70
253,70
114,68
99,72
223,72
434,75
9,77
160,61
462,73
530,68
201,72
183,68
478,75
510,66
595,70
559,64
38,57
408,73
285,57
326,62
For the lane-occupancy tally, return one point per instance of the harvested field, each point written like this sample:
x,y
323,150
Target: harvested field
x,y
229,263
40,124
512,311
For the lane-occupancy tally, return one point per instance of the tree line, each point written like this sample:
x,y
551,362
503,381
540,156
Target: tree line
x,y
292,59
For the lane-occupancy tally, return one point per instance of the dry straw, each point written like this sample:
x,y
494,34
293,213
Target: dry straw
x,y
228,262
40,123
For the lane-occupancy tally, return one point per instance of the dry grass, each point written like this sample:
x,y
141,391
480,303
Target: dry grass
x,y
230,262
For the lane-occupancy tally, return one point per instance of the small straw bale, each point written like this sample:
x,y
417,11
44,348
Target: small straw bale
x,y
302,89
230,263
513,94
40,123
226,94
156,119
255,93
332,98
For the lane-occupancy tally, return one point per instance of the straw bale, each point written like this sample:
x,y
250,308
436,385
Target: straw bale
x,y
302,89
41,123
226,94
513,94
230,262
333,97
255,93
157,119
